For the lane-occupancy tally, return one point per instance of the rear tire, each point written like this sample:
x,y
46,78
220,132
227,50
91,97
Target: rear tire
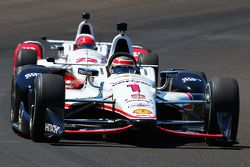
x,y
26,57
223,114
49,92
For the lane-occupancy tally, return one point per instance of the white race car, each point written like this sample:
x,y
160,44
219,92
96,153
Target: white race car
x,y
86,92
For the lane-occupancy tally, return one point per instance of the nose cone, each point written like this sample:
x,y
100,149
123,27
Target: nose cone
x,y
135,98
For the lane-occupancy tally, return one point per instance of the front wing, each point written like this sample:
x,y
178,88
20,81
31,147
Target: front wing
x,y
120,125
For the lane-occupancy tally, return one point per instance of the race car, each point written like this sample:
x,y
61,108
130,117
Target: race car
x,y
76,51
120,94
85,27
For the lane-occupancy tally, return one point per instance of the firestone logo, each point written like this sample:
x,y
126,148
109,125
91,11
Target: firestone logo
x,y
30,75
189,79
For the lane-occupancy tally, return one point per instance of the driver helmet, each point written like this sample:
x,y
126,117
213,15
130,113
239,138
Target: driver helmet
x,y
122,65
85,41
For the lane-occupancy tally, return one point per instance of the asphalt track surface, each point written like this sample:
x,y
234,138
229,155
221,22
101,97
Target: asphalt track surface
x,y
211,36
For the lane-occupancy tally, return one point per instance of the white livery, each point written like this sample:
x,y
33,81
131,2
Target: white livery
x,y
100,88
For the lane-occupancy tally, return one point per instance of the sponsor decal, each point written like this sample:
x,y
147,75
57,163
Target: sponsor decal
x,y
124,81
26,47
52,128
30,75
142,111
189,79
140,105
134,87
79,60
89,72
171,75
138,96
84,72
139,100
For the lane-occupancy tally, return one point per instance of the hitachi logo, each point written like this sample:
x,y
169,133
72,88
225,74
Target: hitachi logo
x,y
52,128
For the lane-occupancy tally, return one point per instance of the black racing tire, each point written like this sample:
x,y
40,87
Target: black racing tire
x,y
151,59
41,47
223,94
26,57
15,101
16,98
49,92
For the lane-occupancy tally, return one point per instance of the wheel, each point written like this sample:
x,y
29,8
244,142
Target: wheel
x,y
26,57
15,101
49,92
151,59
223,112
40,46
17,97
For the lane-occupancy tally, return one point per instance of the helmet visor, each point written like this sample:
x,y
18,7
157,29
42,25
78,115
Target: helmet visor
x,y
122,69
87,46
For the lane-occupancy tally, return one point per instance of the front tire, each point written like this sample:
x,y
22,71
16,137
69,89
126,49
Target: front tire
x,y
17,97
223,113
49,92
15,101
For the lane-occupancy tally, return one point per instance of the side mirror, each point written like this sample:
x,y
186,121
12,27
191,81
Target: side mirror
x,y
88,72
57,47
60,48
50,59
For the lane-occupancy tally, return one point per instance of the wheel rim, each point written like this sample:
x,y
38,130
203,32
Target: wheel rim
x,y
208,105
224,119
31,114
13,105
31,122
